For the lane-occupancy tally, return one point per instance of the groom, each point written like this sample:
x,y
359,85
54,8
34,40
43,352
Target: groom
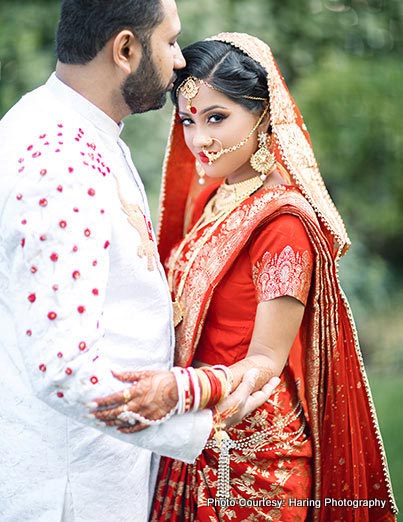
x,y
82,289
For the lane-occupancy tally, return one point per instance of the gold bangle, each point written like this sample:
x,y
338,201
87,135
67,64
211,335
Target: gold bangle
x,y
205,388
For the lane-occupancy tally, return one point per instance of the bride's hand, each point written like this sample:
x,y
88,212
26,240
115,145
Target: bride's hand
x,y
153,395
242,401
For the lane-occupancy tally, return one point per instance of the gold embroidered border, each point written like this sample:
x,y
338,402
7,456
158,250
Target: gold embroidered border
x,y
284,273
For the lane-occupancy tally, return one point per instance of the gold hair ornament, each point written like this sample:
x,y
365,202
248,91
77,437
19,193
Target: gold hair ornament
x,y
189,89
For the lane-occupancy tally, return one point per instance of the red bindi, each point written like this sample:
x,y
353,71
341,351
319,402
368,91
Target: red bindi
x,y
193,110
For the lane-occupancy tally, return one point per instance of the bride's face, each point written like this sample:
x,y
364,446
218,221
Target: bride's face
x,y
219,122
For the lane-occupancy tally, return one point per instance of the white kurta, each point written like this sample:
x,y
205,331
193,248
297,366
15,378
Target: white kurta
x,y
77,298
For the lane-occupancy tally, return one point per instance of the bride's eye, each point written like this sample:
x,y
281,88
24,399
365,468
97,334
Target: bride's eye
x,y
185,121
216,118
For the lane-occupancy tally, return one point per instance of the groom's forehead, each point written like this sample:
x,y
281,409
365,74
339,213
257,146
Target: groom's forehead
x,y
170,21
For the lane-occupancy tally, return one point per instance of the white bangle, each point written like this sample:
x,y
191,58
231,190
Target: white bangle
x,y
196,388
182,382
228,376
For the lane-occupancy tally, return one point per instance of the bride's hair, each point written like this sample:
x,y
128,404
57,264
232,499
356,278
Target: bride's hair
x,y
227,69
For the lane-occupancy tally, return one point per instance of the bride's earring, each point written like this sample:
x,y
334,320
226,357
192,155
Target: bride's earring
x,y
263,160
200,173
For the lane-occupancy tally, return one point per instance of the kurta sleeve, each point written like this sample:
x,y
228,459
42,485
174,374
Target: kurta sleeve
x,y
282,260
58,277
59,237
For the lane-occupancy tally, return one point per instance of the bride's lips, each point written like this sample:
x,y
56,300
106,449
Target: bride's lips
x,y
203,157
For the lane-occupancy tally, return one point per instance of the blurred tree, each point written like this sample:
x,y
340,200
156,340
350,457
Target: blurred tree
x,y
351,104
301,32
26,47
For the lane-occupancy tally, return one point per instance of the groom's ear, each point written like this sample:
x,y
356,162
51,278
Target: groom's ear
x,y
126,51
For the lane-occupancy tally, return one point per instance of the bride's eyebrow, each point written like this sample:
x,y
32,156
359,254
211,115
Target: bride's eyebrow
x,y
212,108
207,109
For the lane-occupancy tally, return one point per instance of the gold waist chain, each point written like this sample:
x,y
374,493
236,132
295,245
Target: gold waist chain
x,y
274,437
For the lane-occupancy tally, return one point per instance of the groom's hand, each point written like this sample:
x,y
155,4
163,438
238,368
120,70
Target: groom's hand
x,y
152,395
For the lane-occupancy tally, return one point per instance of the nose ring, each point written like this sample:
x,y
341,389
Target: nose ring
x,y
218,141
211,141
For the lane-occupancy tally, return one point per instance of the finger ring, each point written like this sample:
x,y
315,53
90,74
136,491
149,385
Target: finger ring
x,y
126,395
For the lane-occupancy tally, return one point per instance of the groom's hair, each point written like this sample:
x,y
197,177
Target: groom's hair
x,y
85,26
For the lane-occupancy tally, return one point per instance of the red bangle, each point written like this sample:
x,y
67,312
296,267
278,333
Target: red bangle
x,y
216,387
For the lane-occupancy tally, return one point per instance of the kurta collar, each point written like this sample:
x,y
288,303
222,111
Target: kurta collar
x,y
83,106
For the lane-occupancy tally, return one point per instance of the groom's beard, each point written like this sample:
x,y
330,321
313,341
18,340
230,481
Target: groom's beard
x,y
143,90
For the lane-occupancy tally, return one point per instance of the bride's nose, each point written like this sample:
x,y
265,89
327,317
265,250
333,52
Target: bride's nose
x,y
201,141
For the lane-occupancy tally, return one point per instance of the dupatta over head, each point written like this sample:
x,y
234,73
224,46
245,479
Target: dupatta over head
x,y
293,150
349,459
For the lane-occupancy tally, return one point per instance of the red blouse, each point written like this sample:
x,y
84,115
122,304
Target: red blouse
x,y
277,261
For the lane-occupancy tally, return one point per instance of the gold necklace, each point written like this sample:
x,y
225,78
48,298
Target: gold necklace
x,y
228,197
220,206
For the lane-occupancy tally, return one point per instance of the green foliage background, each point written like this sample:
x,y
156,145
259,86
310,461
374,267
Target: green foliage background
x,y
342,60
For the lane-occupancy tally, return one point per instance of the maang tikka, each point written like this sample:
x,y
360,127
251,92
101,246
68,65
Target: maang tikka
x,y
263,160
189,89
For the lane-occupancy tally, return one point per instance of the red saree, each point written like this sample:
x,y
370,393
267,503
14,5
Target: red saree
x,y
324,462
272,480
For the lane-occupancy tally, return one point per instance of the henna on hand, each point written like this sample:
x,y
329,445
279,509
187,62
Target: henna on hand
x,y
153,396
